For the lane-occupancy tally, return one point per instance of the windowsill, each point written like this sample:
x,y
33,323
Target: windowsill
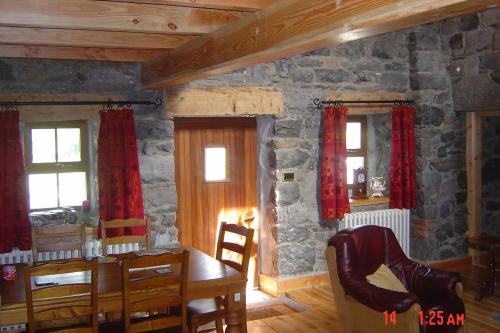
x,y
368,201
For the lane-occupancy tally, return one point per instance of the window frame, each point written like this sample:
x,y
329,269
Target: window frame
x,y
57,167
363,150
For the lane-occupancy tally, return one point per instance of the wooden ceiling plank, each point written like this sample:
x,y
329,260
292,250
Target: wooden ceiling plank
x,y
241,5
113,16
86,38
77,53
291,27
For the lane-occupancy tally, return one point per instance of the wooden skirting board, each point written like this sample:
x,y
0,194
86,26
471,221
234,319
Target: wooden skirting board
x,y
277,287
224,101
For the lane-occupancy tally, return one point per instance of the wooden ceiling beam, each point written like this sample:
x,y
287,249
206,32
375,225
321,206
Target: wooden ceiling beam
x,y
113,16
241,5
291,27
86,38
77,53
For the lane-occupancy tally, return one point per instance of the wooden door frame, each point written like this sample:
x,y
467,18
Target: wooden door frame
x,y
473,157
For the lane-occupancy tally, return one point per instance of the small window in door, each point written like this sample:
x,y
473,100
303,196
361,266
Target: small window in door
x,y
215,163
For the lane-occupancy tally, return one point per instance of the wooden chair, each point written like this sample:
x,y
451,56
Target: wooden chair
x,y
58,237
162,295
77,310
201,312
125,239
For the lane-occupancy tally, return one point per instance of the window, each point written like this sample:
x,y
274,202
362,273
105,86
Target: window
x,y
355,145
215,163
56,160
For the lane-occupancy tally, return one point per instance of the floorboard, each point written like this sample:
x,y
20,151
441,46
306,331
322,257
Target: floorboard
x,y
322,315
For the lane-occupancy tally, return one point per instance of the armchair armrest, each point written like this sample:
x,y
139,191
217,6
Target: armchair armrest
x,y
429,283
379,299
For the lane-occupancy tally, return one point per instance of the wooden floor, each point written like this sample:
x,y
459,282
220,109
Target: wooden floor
x,y
323,317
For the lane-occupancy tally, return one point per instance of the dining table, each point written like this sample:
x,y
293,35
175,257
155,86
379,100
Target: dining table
x,y
208,277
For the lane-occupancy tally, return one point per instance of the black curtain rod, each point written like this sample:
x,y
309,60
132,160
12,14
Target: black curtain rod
x,y
320,103
106,104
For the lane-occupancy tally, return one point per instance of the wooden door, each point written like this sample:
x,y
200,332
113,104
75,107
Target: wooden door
x,y
202,204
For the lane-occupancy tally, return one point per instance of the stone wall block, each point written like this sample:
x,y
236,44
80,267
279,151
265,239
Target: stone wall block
x,y
296,258
291,158
490,17
159,197
287,193
424,41
332,75
394,81
429,81
157,168
288,127
478,40
154,129
469,22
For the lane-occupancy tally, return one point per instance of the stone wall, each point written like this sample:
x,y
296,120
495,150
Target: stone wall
x,y
154,131
474,49
440,149
490,196
368,65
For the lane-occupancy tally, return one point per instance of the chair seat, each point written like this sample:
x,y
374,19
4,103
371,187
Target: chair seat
x,y
206,307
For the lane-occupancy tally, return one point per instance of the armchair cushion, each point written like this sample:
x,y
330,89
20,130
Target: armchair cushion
x,y
385,278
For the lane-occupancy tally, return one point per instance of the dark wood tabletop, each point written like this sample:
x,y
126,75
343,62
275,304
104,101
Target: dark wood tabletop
x,y
208,277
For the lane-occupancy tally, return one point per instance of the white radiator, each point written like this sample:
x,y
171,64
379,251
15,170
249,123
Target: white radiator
x,y
93,249
396,219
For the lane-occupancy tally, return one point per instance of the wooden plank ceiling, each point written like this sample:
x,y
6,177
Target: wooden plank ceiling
x,y
121,30
184,40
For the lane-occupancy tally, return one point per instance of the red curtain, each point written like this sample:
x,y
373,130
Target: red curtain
x,y
15,228
334,192
403,167
120,192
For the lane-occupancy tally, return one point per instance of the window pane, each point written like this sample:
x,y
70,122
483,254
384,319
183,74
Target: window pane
x,y
353,135
72,188
43,145
68,145
215,163
43,190
353,163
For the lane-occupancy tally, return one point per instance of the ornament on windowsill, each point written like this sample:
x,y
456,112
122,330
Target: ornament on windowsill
x,y
377,186
359,184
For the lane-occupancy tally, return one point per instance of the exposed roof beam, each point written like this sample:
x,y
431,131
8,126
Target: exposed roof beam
x,y
86,38
76,53
113,16
292,27
243,5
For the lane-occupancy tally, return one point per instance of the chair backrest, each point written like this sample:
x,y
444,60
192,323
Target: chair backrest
x,y
74,296
125,237
147,288
364,248
58,237
243,250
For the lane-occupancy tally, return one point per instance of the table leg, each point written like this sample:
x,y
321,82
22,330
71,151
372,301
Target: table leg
x,y
488,287
236,310
492,267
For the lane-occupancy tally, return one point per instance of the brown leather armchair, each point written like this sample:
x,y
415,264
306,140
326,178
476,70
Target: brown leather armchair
x,y
354,253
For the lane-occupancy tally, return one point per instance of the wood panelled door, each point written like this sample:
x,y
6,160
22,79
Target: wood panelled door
x,y
216,179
